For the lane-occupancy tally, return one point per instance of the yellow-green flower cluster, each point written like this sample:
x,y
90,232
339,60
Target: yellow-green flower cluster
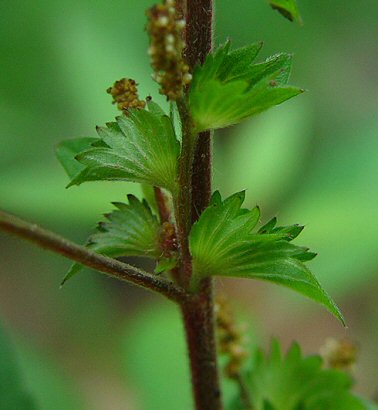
x,y
231,338
339,354
125,94
165,27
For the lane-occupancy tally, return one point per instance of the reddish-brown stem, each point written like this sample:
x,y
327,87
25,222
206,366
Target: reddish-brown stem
x,y
201,177
199,328
199,42
112,267
162,205
198,314
199,30
184,198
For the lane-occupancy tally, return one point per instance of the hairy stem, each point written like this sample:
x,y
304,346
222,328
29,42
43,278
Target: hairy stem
x,y
198,315
184,199
162,205
112,267
199,329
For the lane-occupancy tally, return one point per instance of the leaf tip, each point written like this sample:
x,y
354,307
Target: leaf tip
x,y
241,195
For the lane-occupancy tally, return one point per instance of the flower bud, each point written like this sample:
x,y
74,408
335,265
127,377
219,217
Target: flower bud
x,y
125,94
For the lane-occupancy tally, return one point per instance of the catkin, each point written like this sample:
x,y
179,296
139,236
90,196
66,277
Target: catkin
x,y
165,27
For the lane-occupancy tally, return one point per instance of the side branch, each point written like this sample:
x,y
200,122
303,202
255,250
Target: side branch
x,y
112,267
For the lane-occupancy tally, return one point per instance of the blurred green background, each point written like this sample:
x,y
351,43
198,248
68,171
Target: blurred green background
x,y
98,344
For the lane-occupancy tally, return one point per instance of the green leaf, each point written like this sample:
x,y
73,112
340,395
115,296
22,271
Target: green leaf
x,y
291,231
228,88
288,8
165,265
13,392
130,230
222,243
237,62
140,147
295,382
67,150
148,192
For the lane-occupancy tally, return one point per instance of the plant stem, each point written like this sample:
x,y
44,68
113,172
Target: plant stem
x,y
183,201
199,42
199,329
162,205
198,314
112,267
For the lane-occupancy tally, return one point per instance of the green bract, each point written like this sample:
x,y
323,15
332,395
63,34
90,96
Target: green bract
x,y
222,243
228,88
140,147
130,230
67,150
288,8
295,382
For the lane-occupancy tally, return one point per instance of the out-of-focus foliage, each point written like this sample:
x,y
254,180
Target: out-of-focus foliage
x,y
58,58
159,339
30,382
155,358
49,386
295,382
67,150
13,392
288,381
288,8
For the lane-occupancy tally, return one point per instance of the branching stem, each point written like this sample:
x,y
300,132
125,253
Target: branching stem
x,y
193,197
198,313
112,267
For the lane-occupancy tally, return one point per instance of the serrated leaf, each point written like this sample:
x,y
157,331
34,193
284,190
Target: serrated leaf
x,y
140,147
288,8
130,230
228,88
238,61
222,243
294,382
279,63
291,233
